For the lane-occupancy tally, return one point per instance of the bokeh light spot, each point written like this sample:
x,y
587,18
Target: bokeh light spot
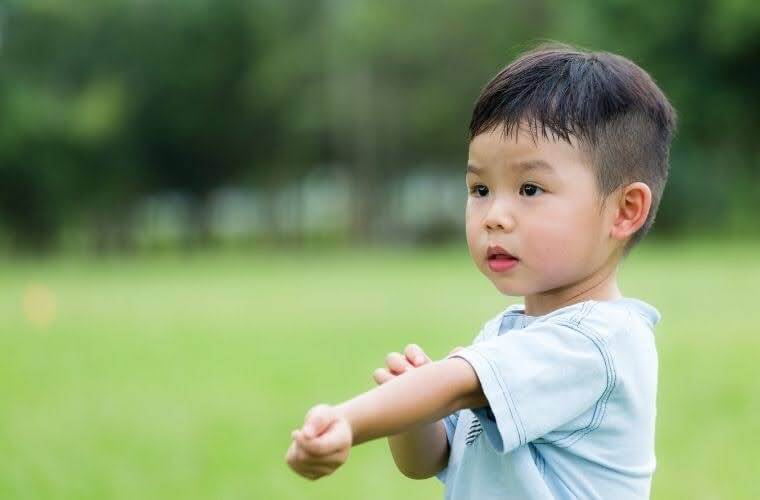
x,y
40,305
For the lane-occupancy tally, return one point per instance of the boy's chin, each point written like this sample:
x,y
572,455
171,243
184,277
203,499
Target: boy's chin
x,y
507,285
511,291
513,287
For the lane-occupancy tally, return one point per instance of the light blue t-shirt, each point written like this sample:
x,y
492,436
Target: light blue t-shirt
x,y
571,406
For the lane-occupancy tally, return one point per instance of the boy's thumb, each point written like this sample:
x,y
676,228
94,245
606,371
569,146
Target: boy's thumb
x,y
317,421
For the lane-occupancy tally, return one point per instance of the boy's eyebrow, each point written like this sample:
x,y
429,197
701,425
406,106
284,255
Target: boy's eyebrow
x,y
522,166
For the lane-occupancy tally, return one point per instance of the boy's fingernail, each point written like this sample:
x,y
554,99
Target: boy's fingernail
x,y
418,360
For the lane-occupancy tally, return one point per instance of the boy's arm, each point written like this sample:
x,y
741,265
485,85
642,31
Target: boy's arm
x,y
422,451
423,395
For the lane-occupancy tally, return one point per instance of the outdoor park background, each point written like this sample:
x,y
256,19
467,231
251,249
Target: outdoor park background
x,y
215,214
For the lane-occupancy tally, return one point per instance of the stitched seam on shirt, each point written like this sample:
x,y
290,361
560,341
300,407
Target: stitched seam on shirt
x,y
511,403
645,318
584,312
571,314
576,314
600,407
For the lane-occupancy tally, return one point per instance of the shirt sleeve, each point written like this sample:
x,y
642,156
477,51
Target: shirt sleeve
x,y
539,378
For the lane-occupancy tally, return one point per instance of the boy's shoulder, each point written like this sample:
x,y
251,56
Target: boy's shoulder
x,y
599,318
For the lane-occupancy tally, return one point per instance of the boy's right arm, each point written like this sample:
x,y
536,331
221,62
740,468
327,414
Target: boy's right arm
x,y
426,394
422,451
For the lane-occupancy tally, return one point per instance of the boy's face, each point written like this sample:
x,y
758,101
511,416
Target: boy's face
x,y
539,202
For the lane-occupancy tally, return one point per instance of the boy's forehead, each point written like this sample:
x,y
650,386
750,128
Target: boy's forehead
x,y
493,149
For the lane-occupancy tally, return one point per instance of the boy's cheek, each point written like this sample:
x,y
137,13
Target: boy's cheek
x,y
475,249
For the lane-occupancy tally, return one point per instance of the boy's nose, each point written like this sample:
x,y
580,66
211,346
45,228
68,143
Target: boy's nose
x,y
499,217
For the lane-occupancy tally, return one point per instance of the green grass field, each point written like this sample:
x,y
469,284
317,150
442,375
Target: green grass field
x,y
182,377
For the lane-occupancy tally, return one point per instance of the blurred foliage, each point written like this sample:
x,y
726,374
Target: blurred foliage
x,y
106,102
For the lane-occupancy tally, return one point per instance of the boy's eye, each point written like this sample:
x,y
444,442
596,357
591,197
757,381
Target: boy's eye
x,y
530,190
479,189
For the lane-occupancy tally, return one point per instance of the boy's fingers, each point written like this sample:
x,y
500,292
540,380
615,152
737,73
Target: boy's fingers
x,y
290,454
298,436
302,451
381,375
297,457
318,450
317,420
397,363
416,355
313,426
314,473
327,444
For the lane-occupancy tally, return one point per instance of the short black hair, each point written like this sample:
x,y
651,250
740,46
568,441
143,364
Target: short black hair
x,y
621,119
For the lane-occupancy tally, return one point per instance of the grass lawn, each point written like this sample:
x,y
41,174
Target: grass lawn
x,y
182,376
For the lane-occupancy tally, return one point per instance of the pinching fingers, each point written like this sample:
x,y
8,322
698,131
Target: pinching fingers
x,y
397,364
317,420
326,444
381,375
416,355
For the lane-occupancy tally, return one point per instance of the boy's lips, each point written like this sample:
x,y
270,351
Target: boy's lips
x,y
500,260
495,251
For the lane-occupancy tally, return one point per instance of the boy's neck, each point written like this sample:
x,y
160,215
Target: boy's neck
x,y
600,285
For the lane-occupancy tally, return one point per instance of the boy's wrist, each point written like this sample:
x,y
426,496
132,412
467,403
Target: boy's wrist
x,y
343,410
340,410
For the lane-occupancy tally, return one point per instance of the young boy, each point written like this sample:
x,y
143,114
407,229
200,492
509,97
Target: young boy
x,y
555,398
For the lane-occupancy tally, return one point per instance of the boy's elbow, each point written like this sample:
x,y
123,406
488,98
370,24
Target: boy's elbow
x,y
419,470
419,474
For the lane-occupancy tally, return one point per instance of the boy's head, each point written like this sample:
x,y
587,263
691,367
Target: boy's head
x,y
603,127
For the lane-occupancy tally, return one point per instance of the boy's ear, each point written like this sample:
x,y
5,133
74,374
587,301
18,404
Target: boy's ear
x,y
631,212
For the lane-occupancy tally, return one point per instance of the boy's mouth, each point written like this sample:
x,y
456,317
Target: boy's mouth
x,y
497,252
499,260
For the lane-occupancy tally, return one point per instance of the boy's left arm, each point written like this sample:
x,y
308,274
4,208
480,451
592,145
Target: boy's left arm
x,y
422,395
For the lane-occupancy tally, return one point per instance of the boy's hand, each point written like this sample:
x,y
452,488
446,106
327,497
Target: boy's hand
x,y
322,445
396,363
